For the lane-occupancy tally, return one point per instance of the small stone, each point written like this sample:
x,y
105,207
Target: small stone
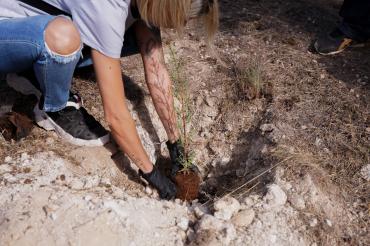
x,y
229,127
208,222
49,141
53,216
183,223
190,234
244,218
24,156
198,212
209,101
76,184
148,190
226,207
225,160
105,182
272,238
229,234
118,192
297,202
267,128
5,169
328,222
303,127
365,172
87,198
53,197
10,178
248,202
264,149
182,235
92,181
313,222
49,210
8,159
275,196
259,224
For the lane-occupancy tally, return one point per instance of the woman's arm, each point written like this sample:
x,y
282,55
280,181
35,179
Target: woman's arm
x,y
109,77
157,77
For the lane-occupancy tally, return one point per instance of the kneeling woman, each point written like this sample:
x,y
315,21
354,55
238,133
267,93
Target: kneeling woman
x,y
33,35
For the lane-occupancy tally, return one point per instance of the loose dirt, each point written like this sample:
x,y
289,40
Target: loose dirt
x,y
285,166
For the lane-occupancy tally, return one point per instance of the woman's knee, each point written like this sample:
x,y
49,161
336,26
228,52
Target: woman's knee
x,y
62,36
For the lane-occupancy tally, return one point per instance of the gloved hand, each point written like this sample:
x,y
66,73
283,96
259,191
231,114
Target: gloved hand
x,y
166,188
176,150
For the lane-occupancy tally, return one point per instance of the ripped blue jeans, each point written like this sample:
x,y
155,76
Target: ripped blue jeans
x,y
23,47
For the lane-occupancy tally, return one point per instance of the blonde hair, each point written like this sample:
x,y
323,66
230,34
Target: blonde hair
x,y
178,12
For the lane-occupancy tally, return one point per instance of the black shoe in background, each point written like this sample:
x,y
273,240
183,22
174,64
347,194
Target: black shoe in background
x,y
334,43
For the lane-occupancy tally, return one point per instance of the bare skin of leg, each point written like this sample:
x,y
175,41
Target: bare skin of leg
x,y
157,77
62,36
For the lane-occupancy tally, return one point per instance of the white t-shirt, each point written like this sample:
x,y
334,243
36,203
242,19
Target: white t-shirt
x,y
102,23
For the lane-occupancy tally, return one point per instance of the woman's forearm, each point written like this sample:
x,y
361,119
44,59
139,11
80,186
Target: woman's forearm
x,y
160,87
124,132
109,77
157,78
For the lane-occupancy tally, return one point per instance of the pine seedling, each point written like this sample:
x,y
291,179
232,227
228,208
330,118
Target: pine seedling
x,y
185,110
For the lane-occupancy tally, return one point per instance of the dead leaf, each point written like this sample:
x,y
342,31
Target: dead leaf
x,y
15,126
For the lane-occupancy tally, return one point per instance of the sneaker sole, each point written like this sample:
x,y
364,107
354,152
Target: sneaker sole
x,y
44,121
339,51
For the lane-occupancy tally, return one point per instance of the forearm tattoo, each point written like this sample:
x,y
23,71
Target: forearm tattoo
x,y
159,82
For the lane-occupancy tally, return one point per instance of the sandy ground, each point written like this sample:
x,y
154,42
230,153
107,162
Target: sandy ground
x,y
290,167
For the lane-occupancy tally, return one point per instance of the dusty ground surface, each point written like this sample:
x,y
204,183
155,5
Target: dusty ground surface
x,y
289,166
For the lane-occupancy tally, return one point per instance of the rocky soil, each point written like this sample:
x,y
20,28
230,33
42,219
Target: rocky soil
x,y
286,166
44,201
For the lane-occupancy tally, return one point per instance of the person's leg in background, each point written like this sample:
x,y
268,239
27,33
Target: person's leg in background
x,y
353,31
51,47
356,19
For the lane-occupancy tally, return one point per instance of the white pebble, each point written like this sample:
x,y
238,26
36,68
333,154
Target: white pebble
x,y
328,222
24,156
313,222
226,207
183,223
275,196
148,190
365,172
244,218
87,198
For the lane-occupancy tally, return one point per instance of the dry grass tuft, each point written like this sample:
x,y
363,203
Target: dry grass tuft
x,y
250,81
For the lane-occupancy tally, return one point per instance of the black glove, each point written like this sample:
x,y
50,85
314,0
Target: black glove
x,y
166,188
177,153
